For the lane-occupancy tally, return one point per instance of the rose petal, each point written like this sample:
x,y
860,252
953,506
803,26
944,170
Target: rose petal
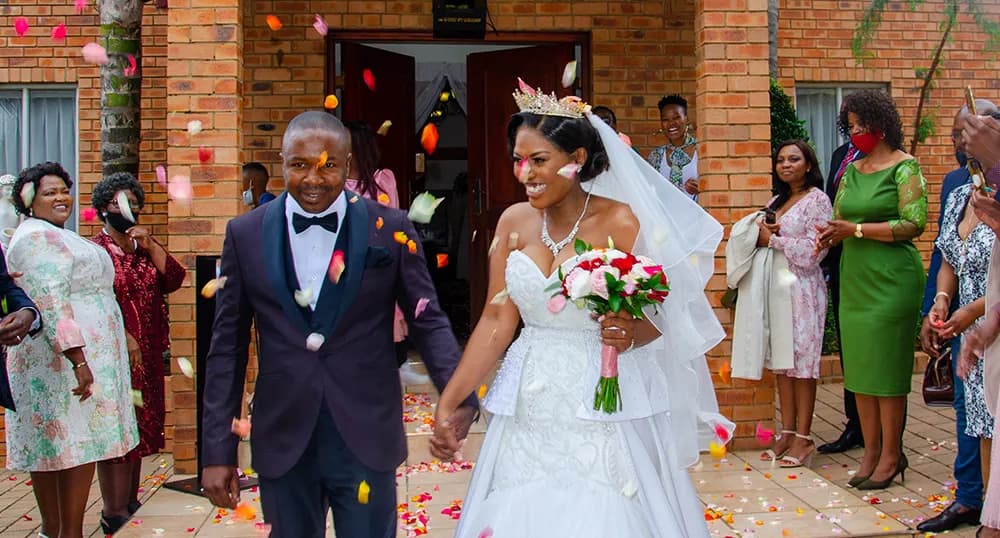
x,y
486,533
724,373
383,198
442,261
411,246
273,22
569,171
194,127
245,511
59,32
240,427
331,102
493,246
716,450
179,188
569,74
384,128
94,54
363,491
80,5
204,154
20,26
500,298
186,367
337,266
132,67
763,435
323,157
88,214
320,25
557,303
369,78
512,240
722,433
400,237
124,206
379,222
524,87
522,170
161,176
429,138
315,341
212,286
421,305
137,398
481,393
303,297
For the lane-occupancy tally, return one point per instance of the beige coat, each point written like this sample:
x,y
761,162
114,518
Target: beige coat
x,y
762,328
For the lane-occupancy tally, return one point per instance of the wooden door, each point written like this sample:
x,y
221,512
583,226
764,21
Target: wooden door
x,y
394,99
492,78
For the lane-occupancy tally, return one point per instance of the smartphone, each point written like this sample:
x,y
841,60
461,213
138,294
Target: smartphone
x,y
769,216
975,170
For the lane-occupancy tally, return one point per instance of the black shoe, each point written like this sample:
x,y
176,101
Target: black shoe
x,y
133,507
949,519
112,524
847,440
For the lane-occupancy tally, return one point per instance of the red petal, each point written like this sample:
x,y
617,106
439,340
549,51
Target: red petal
x,y
369,79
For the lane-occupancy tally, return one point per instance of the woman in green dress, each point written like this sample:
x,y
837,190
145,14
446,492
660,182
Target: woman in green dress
x,y
880,208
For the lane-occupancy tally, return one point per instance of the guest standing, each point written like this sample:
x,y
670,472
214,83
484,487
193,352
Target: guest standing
x,y
968,473
851,436
72,383
881,206
677,160
144,273
609,117
800,206
255,178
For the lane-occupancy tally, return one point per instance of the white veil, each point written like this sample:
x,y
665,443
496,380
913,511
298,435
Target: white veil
x,y
676,232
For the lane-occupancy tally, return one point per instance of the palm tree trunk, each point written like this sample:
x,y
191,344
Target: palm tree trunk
x,y
772,37
121,35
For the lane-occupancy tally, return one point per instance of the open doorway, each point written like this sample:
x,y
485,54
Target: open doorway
x,y
464,89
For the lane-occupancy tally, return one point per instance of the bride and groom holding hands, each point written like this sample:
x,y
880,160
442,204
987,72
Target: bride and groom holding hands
x,y
327,428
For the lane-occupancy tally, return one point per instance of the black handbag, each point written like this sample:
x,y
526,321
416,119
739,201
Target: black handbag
x,y
939,380
6,397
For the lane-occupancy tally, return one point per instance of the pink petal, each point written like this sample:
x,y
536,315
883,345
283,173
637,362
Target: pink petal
x,y
130,70
80,5
523,171
557,303
764,435
241,427
59,32
569,74
421,305
722,433
486,533
320,25
204,154
337,266
523,86
21,26
180,189
161,176
569,171
88,214
94,54
315,341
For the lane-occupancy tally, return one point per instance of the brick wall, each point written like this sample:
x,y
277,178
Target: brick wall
x,y
814,45
37,59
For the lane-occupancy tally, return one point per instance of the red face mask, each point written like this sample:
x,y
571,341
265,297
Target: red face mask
x,y
866,142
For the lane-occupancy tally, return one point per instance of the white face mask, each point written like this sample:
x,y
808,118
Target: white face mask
x,y
248,197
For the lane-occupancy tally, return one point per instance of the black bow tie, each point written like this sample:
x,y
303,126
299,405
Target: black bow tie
x,y
301,223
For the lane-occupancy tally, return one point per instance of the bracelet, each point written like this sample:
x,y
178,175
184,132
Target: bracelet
x,y
942,294
79,365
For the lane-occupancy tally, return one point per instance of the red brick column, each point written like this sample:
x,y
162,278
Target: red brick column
x,y
204,83
733,118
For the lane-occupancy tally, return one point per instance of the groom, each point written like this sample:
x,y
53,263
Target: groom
x,y
319,270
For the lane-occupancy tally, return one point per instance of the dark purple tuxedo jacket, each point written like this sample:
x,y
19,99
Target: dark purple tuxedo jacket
x,y
354,373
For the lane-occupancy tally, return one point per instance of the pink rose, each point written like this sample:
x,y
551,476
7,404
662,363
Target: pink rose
x,y
599,283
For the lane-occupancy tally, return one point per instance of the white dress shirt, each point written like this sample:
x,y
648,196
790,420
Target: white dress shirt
x,y
313,248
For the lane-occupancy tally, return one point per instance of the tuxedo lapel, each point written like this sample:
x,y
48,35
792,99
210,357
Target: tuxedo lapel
x,y
278,261
334,299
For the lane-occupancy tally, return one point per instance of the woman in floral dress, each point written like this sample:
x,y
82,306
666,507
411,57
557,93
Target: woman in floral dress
x,y
965,243
800,206
144,273
71,382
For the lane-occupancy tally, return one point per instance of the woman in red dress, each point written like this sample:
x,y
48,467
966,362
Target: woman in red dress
x,y
144,273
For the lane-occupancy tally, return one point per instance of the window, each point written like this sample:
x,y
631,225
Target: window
x,y
819,106
39,124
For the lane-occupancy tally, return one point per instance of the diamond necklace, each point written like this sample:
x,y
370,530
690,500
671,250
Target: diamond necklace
x,y
547,240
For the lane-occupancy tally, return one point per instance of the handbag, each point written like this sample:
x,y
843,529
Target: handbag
x,y
939,380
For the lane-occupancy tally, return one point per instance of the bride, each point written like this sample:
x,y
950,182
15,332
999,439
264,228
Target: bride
x,y
551,465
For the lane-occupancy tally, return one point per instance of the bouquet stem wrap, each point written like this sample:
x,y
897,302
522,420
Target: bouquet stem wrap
x,y
607,395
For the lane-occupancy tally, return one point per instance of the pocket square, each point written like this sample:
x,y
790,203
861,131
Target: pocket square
x,y
377,257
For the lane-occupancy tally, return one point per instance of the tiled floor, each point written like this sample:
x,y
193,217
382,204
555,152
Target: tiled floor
x,y
742,496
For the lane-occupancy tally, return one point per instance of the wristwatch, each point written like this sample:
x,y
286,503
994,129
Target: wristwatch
x,y
858,233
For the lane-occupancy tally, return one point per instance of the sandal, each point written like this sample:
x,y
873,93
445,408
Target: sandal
x,y
769,455
111,525
791,462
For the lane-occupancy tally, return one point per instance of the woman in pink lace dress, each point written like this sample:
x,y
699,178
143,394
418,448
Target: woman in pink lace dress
x,y
379,184
799,207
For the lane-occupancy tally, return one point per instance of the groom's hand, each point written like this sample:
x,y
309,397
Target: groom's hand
x,y
450,433
222,485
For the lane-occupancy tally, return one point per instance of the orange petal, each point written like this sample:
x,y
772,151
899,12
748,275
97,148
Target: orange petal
x,y
245,511
331,102
383,198
337,266
322,160
442,261
724,373
429,138
411,246
400,237
379,223
273,22
482,392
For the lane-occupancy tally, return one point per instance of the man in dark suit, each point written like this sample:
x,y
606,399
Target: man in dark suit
x,y
20,318
320,269
851,436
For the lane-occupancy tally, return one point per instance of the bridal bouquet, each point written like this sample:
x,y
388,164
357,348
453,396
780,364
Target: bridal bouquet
x,y
609,280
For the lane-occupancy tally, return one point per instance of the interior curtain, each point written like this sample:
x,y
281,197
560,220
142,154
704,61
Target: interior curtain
x,y
818,107
432,78
52,132
10,132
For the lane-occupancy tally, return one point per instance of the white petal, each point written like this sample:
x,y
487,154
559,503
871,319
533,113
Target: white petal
x,y
124,206
315,341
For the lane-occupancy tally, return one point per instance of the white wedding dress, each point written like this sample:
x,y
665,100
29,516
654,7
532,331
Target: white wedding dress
x,y
552,467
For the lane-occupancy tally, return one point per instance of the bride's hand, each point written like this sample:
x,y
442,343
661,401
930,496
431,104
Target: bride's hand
x,y
618,330
451,427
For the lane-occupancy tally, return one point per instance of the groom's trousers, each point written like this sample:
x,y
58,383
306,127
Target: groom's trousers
x,y
326,477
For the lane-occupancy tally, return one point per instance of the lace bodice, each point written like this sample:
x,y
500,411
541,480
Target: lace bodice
x,y
527,285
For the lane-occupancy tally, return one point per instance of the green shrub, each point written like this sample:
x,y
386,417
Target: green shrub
x,y
785,123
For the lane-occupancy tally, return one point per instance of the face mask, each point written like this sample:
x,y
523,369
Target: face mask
x,y
962,158
120,223
866,142
248,197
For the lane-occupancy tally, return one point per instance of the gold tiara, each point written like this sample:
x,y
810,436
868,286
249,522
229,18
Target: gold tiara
x,y
534,101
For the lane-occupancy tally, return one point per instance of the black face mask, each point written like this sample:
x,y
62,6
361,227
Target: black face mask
x,y
962,158
120,223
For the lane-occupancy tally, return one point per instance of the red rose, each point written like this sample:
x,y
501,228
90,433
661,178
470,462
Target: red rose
x,y
624,265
